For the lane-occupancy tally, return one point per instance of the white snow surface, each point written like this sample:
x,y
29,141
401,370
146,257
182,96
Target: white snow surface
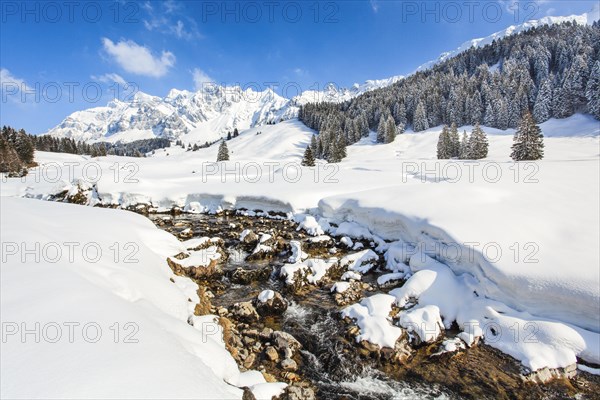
x,y
158,355
400,193
265,296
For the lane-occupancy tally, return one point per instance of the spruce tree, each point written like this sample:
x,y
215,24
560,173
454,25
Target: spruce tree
x,y
308,160
23,145
223,153
390,130
592,91
454,141
478,144
9,159
542,109
420,122
313,144
443,146
528,142
236,133
381,129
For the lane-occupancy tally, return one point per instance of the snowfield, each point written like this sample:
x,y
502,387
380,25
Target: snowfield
x,y
110,323
508,251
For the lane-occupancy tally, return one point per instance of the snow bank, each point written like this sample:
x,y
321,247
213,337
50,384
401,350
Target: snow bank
x,y
314,269
372,317
130,335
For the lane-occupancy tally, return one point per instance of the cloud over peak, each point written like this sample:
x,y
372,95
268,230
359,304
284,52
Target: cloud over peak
x,y
138,59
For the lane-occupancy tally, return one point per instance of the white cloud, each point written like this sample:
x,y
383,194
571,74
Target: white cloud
x,y
170,18
8,80
374,5
139,59
201,78
300,72
178,28
109,78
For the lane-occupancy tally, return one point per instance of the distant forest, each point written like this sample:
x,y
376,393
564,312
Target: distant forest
x,y
551,71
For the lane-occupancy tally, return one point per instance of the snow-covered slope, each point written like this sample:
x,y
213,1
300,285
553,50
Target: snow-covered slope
x,y
401,193
583,19
111,317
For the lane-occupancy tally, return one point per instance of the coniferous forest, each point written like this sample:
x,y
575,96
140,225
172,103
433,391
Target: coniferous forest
x,y
550,71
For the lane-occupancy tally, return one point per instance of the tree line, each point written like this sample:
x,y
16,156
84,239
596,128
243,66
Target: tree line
x,y
549,71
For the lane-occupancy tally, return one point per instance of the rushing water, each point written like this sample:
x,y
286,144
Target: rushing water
x,y
328,360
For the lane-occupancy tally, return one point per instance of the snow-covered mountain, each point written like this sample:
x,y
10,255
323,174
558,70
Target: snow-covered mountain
x,y
213,111
583,19
333,94
199,116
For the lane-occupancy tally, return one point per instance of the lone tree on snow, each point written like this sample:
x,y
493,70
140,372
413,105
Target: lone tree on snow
x,y
223,154
528,142
309,159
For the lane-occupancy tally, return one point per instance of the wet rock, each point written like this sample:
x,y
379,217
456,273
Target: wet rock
x,y
202,273
283,340
253,333
243,276
248,341
291,377
268,377
298,391
187,233
289,365
245,311
353,294
248,395
546,375
271,353
370,347
266,333
288,353
204,306
270,302
248,237
249,361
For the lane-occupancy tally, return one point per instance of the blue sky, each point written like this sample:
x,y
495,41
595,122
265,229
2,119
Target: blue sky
x,y
59,57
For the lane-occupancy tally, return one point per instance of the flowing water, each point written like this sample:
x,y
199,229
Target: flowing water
x,y
328,359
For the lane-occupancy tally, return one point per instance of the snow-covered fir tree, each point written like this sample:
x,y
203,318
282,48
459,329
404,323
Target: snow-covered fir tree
x,y
420,122
313,145
592,92
308,160
223,153
453,141
390,130
443,145
542,109
381,130
528,142
478,144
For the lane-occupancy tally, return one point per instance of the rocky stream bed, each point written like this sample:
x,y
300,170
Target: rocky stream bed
x,y
285,322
